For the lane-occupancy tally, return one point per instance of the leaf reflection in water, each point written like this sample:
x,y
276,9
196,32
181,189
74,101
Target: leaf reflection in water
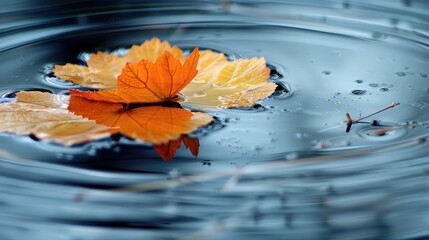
x,y
164,125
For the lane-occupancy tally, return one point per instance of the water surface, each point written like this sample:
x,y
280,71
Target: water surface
x,y
283,169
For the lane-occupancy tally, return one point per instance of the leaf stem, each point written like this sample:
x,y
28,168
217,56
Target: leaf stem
x,y
350,121
374,113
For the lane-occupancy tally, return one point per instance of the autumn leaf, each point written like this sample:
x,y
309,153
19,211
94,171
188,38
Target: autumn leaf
x,y
217,78
103,69
146,82
155,124
220,79
43,115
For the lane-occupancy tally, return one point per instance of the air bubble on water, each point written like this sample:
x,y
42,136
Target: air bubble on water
x,y
400,74
373,84
423,75
358,81
358,92
383,89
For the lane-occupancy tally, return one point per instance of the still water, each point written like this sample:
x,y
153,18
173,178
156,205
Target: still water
x,y
285,169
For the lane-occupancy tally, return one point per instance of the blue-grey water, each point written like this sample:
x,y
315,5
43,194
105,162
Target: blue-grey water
x,y
285,169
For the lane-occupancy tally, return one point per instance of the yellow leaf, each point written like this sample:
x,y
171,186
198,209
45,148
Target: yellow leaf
x,y
43,99
219,78
39,114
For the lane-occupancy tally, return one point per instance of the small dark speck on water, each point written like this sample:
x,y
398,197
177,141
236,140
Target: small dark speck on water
x,y
358,81
401,74
326,73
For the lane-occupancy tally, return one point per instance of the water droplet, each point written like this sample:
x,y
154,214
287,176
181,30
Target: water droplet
x,y
358,92
373,84
327,73
401,74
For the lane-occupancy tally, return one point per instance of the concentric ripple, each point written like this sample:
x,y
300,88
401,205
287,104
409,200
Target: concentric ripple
x,y
285,169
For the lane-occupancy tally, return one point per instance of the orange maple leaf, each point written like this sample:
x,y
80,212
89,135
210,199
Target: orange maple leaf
x,y
147,82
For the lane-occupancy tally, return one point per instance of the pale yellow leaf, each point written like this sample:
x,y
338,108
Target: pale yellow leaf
x,y
248,98
218,78
43,99
48,121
